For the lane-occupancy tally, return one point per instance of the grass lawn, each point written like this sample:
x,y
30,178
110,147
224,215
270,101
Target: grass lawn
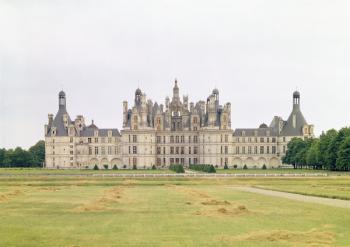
x,y
39,171
278,171
73,211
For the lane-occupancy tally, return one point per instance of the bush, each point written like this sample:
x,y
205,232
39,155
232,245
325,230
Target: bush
x,y
245,167
235,166
134,167
177,168
203,168
154,167
115,167
105,166
226,167
96,167
264,167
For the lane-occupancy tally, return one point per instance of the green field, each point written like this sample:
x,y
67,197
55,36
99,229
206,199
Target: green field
x,y
89,211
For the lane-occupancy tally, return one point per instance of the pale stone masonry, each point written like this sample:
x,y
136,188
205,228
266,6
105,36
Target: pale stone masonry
x,y
177,132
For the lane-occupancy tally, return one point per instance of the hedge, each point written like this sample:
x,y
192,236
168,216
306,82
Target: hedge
x,y
203,168
177,168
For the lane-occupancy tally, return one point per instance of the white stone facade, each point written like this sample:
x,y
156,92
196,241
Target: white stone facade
x,y
178,132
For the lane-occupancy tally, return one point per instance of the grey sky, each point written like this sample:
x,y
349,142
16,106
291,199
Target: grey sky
x,y
255,52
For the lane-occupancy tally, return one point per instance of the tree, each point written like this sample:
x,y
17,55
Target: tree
x,y
313,154
2,156
325,140
343,159
226,167
264,167
115,167
245,167
38,153
333,148
96,167
295,153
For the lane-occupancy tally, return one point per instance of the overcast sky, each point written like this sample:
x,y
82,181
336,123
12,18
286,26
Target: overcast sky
x,y
255,52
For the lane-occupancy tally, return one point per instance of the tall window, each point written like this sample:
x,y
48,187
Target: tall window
x,y
103,150
158,150
182,150
96,150
134,138
226,149
134,149
171,150
195,139
195,150
273,149
261,149
171,139
89,140
177,139
90,150
159,139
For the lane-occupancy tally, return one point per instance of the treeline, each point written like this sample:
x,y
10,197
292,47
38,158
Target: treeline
x,y
18,157
331,151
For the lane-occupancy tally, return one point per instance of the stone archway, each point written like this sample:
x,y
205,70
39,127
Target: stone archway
x,y
116,162
261,162
93,162
237,162
250,162
104,163
275,162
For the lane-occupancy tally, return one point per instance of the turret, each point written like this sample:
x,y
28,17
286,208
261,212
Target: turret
x,y
62,100
125,113
296,100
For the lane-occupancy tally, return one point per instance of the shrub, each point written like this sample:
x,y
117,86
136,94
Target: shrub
x,y
154,167
134,167
264,167
203,168
115,167
226,167
105,166
177,168
245,167
235,166
96,167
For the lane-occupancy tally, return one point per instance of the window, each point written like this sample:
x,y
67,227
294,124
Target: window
x,y
134,149
237,150
189,150
195,120
134,138
261,139
134,161
249,150
158,150
71,152
171,160
103,150
171,150
226,149
96,150
71,139
164,151
189,139
159,139
171,139
164,141
195,139
255,150
182,139
261,149
177,150
129,149
273,139
96,140
109,150
182,150
268,149
243,150
267,139
226,138
177,139
90,150
159,161
273,149
195,160
195,150
89,140
109,140
182,161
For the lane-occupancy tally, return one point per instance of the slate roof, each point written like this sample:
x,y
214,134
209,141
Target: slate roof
x,y
260,132
289,129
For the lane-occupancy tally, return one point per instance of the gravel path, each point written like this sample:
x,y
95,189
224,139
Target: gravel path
x,y
311,199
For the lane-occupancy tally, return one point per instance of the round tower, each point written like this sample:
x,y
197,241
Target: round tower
x,y
62,99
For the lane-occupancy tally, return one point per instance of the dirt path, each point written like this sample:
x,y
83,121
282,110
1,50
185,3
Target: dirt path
x,y
311,199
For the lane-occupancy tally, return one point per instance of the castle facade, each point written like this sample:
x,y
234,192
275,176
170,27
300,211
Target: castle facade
x,y
177,132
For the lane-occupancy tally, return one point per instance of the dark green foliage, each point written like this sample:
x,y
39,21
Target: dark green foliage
x,y
330,151
343,160
154,167
226,167
19,157
134,167
115,167
96,167
177,168
264,167
203,168
245,167
105,166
